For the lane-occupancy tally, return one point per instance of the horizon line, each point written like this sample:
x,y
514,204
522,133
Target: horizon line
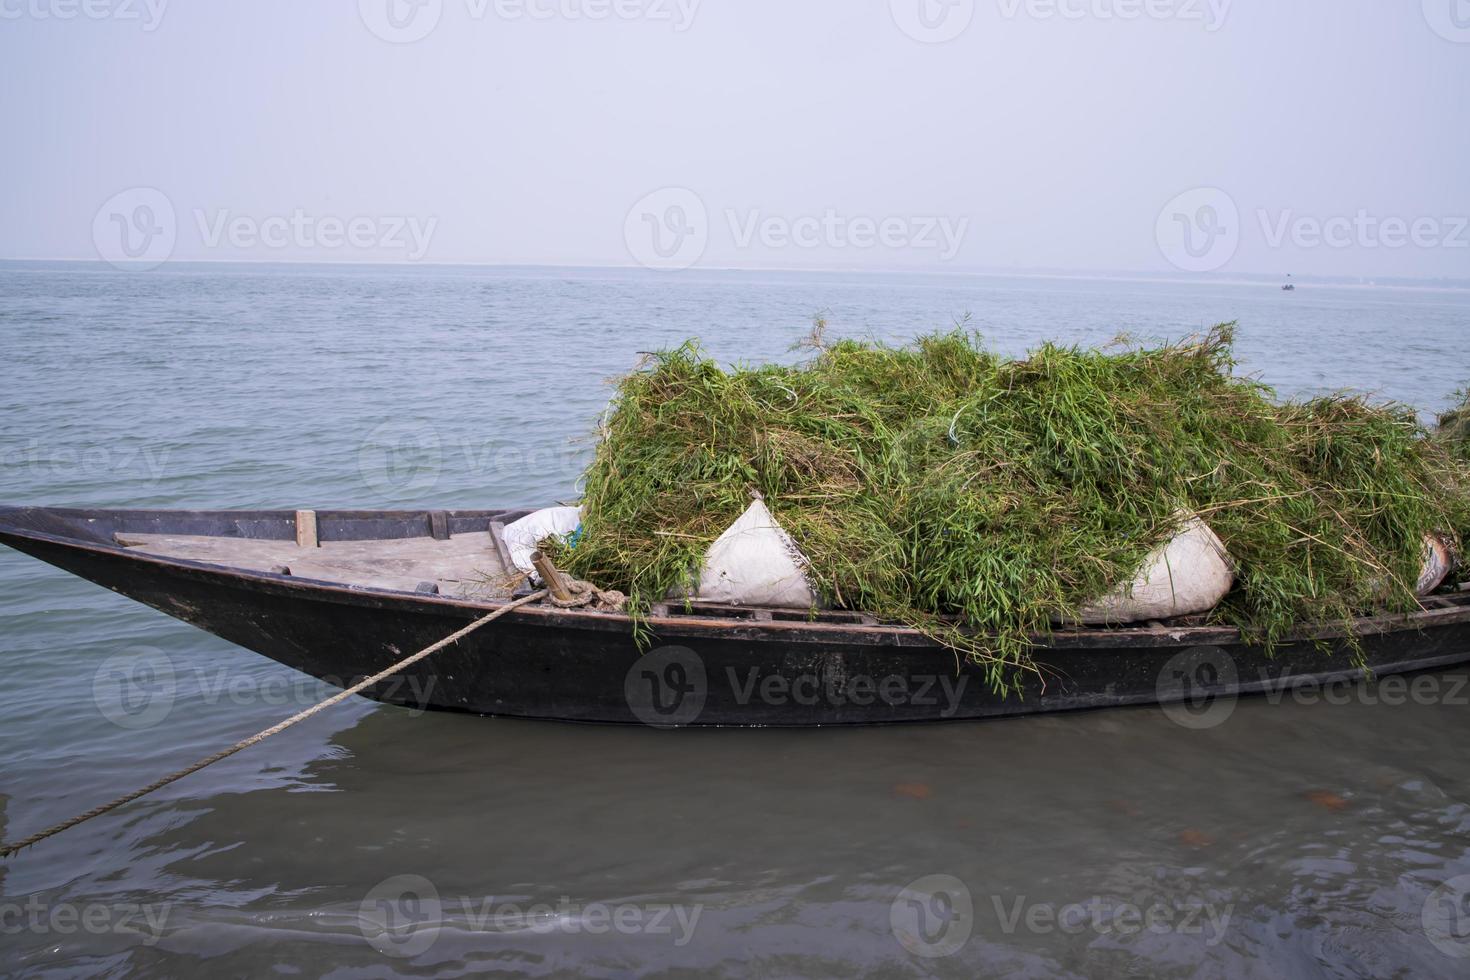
x,y
1027,272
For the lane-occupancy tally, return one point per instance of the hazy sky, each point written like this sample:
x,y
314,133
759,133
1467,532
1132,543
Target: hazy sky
x,y
1255,136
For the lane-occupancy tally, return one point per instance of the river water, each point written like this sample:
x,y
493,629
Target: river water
x,y
1319,834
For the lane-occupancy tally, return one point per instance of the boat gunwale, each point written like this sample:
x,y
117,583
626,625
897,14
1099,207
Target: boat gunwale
x,y
1092,639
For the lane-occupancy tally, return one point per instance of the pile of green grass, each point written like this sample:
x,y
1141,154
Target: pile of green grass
x,y
977,497
1454,427
1453,432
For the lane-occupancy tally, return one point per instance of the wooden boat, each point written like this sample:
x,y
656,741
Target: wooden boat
x,y
342,595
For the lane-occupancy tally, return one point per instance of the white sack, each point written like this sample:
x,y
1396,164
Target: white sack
x,y
1190,573
755,563
524,536
1437,563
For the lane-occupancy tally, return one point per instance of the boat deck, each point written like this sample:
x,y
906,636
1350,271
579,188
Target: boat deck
x,y
473,564
465,566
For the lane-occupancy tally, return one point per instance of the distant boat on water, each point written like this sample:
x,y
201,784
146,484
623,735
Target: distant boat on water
x,y
1290,286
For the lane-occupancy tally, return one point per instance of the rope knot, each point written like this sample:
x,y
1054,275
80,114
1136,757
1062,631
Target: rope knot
x,y
586,594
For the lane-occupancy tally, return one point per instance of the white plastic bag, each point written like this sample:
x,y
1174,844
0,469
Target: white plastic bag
x,y
1189,573
524,536
755,563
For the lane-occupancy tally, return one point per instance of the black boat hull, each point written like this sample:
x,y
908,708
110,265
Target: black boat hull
x,y
698,671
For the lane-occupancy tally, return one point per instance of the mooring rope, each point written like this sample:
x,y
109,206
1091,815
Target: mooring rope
x,y
11,849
